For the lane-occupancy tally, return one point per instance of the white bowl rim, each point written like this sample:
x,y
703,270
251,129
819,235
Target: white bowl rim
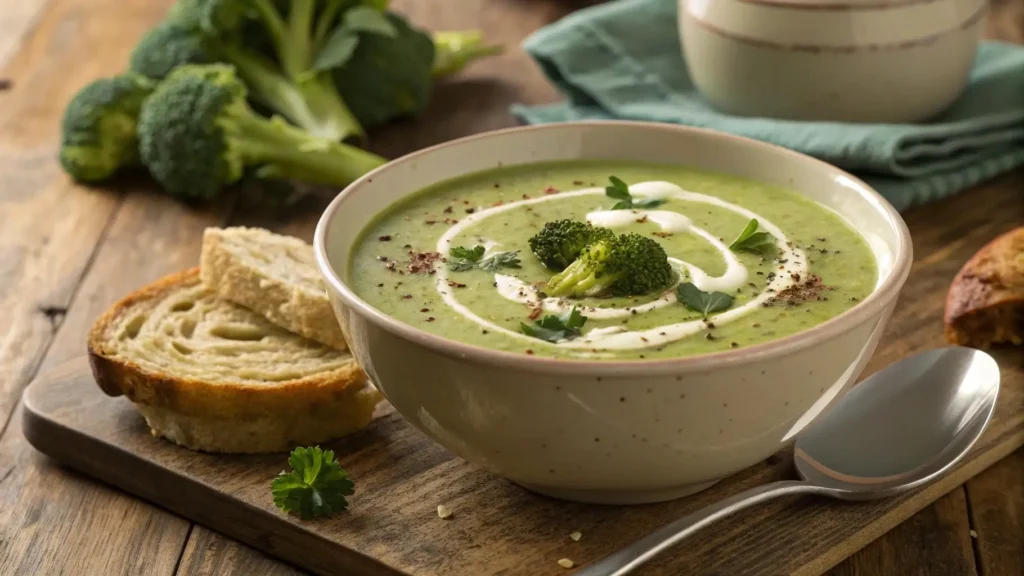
x,y
881,297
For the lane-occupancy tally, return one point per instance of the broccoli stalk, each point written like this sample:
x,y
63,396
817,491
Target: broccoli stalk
x,y
626,265
98,128
560,242
197,134
298,40
237,33
456,49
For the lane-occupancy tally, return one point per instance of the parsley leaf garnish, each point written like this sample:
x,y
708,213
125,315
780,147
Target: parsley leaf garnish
x,y
500,260
316,486
619,190
750,240
461,259
553,328
700,301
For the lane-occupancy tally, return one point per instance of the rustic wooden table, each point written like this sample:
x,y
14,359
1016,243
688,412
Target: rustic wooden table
x,y
67,252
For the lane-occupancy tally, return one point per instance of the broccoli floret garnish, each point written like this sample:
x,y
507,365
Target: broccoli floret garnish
x,y
626,265
98,129
197,134
560,242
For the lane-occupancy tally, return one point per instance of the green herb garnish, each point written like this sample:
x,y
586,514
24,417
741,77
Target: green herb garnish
x,y
750,240
619,190
556,328
500,260
700,301
461,259
316,486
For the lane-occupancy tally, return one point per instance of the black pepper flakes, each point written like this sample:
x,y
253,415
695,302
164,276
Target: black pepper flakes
x,y
430,318
530,352
734,344
424,309
708,336
384,238
470,210
407,297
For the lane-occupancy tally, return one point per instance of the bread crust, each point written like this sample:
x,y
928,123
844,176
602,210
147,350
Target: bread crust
x,y
293,308
226,404
985,302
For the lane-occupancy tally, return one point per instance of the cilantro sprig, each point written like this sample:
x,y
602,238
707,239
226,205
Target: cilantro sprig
x,y
700,301
619,190
461,259
553,328
750,240
316,486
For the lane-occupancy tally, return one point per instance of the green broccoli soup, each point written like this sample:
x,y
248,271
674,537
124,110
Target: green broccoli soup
x,y
610,260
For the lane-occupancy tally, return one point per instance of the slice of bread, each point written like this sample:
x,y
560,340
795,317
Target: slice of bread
x,y
985,303
271,274
211,375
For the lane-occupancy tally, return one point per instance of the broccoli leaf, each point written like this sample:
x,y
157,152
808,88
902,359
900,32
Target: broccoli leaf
x,y
619,190
556,328
338,50
750,240
342,43
368,19
704,302
500,260
316,486
388,77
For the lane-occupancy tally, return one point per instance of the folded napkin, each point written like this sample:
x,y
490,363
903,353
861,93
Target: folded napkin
x,y
622,60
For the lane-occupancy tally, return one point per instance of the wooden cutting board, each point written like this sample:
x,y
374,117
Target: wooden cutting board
x,y
392,527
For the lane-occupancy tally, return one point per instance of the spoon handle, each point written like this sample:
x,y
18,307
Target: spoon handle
x,y
631,557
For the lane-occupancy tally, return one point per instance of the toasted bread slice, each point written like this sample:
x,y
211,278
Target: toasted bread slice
x,y
272,274
985,303
211,375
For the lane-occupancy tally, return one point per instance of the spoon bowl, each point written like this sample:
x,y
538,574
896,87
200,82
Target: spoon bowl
x,y
899,429
903,426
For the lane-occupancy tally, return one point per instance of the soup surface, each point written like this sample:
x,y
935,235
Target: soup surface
x,y
815,268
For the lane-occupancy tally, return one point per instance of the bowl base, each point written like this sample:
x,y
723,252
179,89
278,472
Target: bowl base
x,y
618,497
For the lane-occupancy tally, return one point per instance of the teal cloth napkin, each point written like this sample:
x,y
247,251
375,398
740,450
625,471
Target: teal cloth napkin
x,y
622,60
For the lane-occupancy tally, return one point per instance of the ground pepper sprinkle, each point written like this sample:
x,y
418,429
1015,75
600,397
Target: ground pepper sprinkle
x,y
422,262
809,290
384,238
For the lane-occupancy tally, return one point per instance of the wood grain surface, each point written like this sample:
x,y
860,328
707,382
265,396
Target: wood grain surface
x,y
392,527
67,251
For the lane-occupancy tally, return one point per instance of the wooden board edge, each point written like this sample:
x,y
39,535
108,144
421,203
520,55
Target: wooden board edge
x,y
189,498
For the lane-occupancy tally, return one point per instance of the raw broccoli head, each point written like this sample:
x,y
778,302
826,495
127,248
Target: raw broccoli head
x,y
198,134
562,241
167,46
185,131
626,265
98,129
213,16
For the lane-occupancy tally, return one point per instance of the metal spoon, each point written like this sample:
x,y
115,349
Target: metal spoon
x,y
899,429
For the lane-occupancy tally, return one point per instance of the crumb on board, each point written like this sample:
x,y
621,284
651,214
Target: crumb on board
x,y
576,536
974,534
566,563
443,511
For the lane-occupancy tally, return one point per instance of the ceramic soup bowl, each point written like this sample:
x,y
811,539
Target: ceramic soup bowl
x,y
843,60
560,427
